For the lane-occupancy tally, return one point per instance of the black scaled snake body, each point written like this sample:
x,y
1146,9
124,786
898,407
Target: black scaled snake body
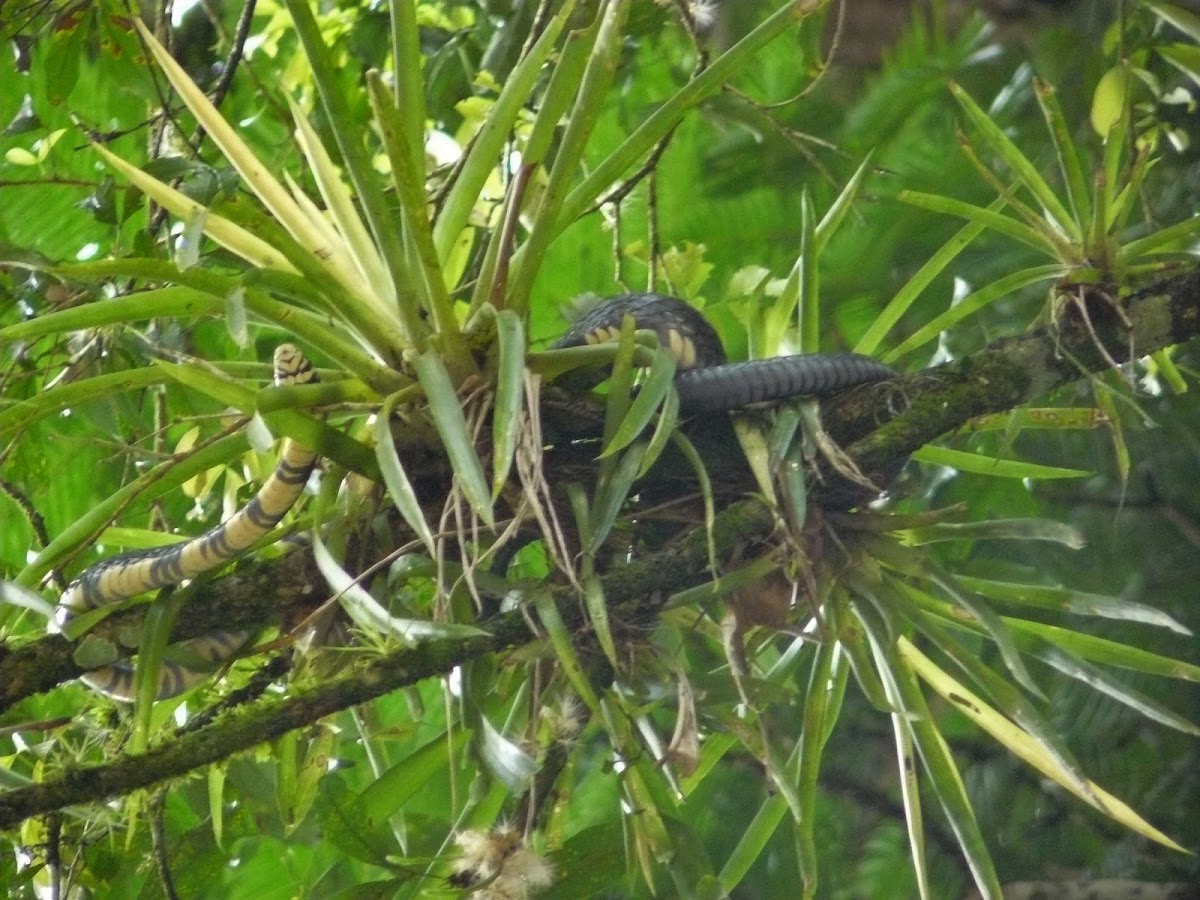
x,y
704,381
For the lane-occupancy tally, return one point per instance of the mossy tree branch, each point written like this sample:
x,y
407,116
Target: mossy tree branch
x,y
1001,377
637,591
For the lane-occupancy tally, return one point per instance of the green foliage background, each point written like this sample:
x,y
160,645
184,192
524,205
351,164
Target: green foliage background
x,y
727,195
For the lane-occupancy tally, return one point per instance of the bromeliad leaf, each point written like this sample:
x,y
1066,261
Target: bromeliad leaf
x,y
998,529
485,149
394,476
273,194
233,238
971,304
1103,681
1020,164
368,614
510,379
1023,745
1076,602
659,381
979,464
456,438
907,295
341,206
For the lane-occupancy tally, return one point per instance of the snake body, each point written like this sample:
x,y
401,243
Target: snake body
x,y
136,572
705,383
704,380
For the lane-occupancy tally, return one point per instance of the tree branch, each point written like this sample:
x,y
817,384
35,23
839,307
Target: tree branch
x,y
1001,377
636,591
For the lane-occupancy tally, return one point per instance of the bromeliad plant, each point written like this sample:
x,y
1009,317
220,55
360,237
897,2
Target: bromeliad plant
x,y
413,304
1087,232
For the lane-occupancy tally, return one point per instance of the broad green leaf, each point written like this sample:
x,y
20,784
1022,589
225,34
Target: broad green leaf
x,y
156,482
505,758
394,788
1110,99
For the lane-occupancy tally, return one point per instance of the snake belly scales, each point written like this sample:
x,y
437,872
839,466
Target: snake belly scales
x,y
704,381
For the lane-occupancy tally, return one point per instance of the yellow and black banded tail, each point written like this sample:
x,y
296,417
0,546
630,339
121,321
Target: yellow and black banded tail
x,y
129,574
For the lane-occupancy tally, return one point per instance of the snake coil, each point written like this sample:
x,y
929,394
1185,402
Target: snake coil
x,y
136,572
704,381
